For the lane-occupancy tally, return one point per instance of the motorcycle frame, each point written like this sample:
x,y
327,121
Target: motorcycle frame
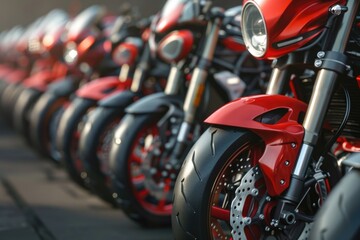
x,y
333,65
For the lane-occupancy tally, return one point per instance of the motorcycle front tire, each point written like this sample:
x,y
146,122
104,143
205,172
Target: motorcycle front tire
x,y
131,126
100,121
194,182
23,107
339,217
67,136
43,119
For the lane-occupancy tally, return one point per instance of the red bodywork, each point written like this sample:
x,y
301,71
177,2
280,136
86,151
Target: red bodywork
x,y
16,76
289,20
185,37
125,53
233,44
282,139
102,87
41,79
168,21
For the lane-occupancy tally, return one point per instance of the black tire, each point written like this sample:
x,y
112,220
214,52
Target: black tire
x,y
138,209
97,130
198,173
23,107
67,137
9,98
205,189
339,218
43,119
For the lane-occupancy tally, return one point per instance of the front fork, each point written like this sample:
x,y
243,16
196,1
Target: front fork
x,y
197,85
332,64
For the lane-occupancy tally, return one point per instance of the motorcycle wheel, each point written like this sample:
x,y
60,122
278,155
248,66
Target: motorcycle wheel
x,y
94,149
23,107
68,134
44,120
144,190
9,98
339,217
220,183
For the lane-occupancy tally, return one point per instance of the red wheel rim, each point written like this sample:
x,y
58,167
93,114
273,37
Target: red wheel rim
x,y
151,203
237,165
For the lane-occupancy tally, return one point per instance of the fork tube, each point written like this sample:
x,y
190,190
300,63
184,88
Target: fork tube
x,y
276,81
141,70
174,80
321,96
197,83
281,73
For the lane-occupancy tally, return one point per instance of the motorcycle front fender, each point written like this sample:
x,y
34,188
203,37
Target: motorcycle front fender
x,y
63,87
100,88
39,81
155,103
119,99
276,119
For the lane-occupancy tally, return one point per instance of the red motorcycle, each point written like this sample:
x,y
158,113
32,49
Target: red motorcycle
x,y
148,75
49,47
126,47
209,68
267,163
25,60
86,56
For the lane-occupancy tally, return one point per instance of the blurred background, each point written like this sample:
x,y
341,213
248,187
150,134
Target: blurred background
x,y
24,12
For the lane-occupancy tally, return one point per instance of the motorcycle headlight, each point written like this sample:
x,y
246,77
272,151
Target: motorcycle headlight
x,y
71,54
254,30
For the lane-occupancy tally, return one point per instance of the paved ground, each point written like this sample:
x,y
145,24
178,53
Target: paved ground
x,y
39,202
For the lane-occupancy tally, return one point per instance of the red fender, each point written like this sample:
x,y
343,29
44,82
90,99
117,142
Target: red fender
x,y
4,70
102,87
39,80
15,76
282,139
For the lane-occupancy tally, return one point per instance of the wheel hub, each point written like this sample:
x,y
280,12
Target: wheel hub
x,y
159,174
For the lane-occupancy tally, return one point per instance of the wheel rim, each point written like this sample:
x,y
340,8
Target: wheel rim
x,y
223,189
53,126
104,148
152,182
74,146
240,207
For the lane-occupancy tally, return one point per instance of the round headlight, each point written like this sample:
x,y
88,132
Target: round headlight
x,y
254,30
71,54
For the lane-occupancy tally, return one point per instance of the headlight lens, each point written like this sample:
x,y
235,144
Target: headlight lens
x,y
71,54
254,30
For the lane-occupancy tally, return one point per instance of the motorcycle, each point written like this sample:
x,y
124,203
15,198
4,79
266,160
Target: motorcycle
x,y
148,146
49,48
266,163
148,77
126,45
86,57
20,61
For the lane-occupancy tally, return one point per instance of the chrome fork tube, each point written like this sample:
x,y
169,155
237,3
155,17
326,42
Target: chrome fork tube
x,y
321,96
124,73
276,82
198,79
141,70
174,80
197,82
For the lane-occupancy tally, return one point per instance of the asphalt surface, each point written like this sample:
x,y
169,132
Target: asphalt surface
x,y
39,202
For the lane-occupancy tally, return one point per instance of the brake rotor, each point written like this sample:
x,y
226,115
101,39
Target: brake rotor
x,y
247,193
251,209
